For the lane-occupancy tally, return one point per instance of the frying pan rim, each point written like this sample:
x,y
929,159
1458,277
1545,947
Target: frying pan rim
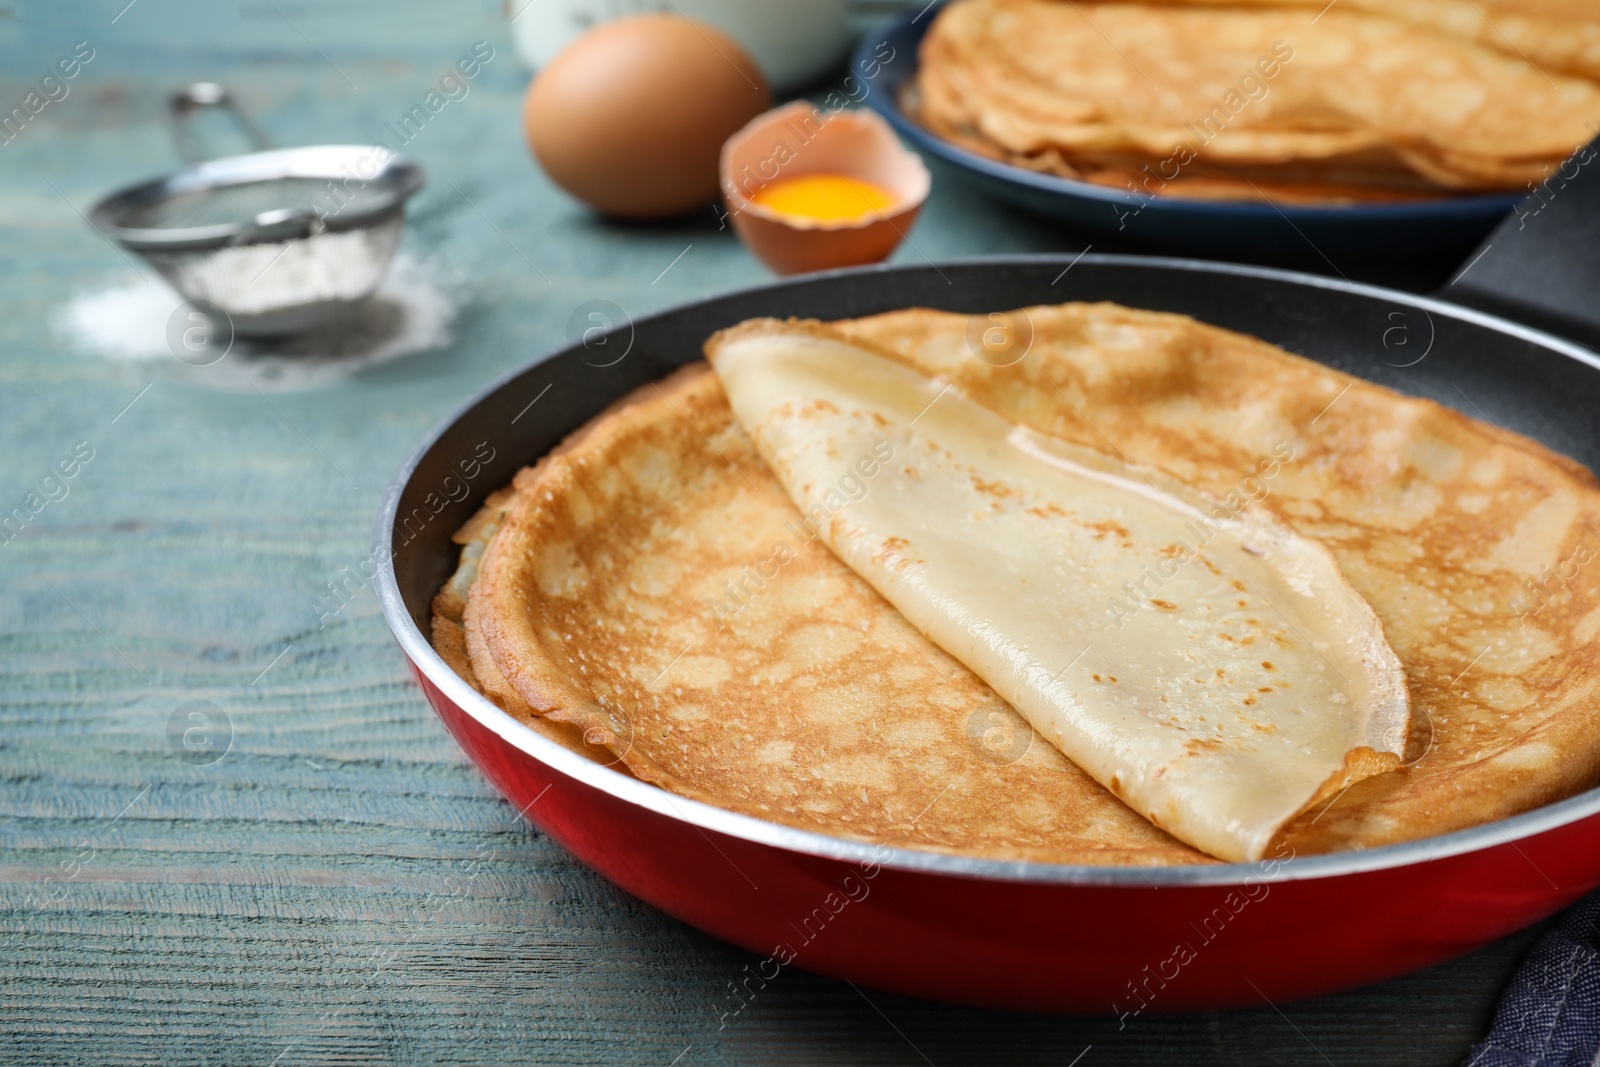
x,y
419,650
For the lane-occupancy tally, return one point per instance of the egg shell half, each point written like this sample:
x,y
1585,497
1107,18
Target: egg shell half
x,y
800,138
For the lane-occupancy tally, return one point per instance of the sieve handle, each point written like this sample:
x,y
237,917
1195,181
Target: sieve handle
x,y
199,96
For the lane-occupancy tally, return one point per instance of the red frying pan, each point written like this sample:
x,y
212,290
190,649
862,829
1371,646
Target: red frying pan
x,y
1019,934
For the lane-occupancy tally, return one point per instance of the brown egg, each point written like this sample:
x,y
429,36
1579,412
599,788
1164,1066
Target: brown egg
x,y
631,117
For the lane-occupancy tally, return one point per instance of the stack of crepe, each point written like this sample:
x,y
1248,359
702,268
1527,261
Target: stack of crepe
x,y
650,595
1290,100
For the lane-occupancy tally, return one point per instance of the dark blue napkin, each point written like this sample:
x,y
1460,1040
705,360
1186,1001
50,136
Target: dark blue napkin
x,y
1549,1016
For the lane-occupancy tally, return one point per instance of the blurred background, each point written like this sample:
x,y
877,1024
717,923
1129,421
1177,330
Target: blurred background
x,y
322,876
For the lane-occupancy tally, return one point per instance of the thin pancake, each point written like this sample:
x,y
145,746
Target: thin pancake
x,y
1180,94
1440,521
451,641
812,703
1555,35
647,588
1207,664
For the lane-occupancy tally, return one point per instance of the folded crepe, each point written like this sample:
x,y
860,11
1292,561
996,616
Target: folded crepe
x,y
1208,665
648,594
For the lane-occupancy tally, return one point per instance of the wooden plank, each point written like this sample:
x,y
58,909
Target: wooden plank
x,y
342,886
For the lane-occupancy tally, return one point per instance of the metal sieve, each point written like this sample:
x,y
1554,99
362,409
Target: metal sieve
x,y
274,242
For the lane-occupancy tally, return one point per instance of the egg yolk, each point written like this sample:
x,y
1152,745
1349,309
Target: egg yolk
x,y
824,197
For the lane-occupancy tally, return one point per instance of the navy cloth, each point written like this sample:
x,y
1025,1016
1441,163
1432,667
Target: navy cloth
x,y
1549,1016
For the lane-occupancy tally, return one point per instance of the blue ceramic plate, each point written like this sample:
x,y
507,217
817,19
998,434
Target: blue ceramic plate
x,y
886,60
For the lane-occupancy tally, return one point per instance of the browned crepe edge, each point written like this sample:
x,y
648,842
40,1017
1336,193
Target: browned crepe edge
x,y
506,639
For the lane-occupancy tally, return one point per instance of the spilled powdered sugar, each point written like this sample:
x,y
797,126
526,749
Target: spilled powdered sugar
x,y
130,321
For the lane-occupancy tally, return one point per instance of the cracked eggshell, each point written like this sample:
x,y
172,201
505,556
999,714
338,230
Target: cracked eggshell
x,y
799,139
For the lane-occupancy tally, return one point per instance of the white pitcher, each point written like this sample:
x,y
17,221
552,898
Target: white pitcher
x,y
794,42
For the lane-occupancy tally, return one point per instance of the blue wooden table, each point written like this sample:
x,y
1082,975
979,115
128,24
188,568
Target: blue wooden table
x,y
329,880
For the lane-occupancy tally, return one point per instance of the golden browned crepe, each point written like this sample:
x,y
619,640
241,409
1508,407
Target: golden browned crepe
x,y
650,584
1554,35
799,697
1290,101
